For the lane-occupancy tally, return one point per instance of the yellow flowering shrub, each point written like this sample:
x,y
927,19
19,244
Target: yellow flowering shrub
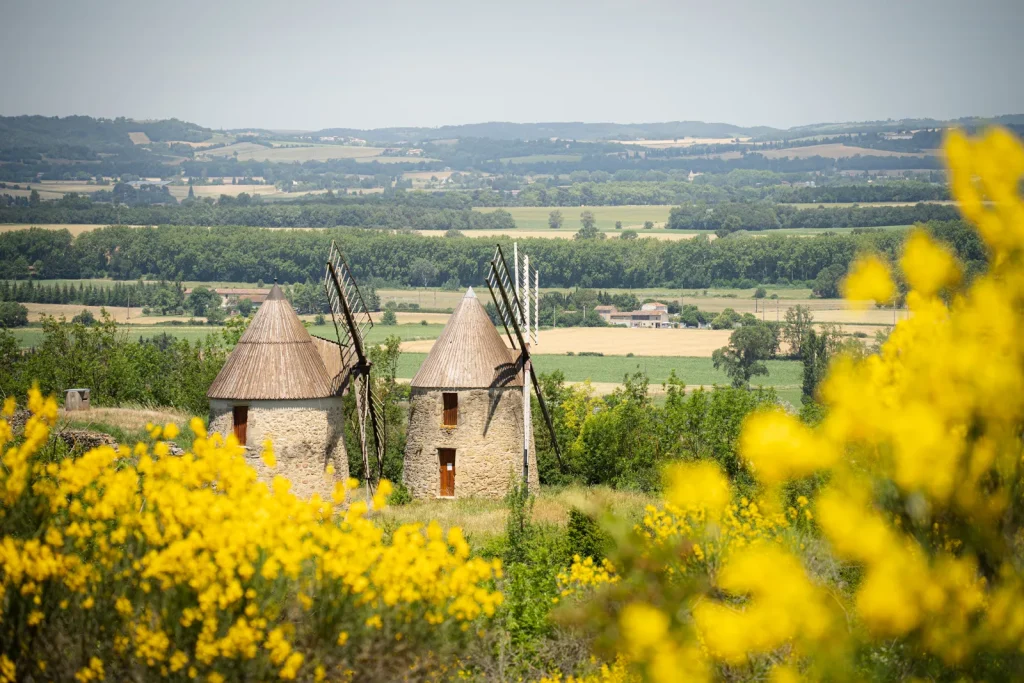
x,y
914,566
132,563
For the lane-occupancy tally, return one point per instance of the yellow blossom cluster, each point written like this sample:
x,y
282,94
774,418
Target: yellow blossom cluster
x,y
585,573
913,487
188,565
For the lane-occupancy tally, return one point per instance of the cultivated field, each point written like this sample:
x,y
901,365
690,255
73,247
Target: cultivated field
x,y
617,341
250,151
30,336
118,313
657,234
607,372
832,151
632,216
139,138
681,142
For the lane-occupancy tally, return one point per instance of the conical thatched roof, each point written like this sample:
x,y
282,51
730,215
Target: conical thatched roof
x,y
275,359
469,354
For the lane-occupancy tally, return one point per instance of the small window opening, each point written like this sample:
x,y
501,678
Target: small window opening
x,y
451,410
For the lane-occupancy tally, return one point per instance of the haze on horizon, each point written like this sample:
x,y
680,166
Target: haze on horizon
x,y
317,64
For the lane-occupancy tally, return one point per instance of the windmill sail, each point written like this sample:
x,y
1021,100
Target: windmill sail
x,y
352,321
512,309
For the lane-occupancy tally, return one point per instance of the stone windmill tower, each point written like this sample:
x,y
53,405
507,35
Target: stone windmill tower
x,y
281,383
466,427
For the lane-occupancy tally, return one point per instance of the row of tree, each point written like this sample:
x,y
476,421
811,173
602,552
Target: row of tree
x,y
247,254
729,217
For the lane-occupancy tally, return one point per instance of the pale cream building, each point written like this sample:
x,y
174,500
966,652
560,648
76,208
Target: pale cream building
x,y
465,435
282,384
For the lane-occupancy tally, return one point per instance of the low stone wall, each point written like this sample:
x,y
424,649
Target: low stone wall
x,y
488,443
307,435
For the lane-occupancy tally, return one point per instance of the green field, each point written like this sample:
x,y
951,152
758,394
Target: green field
x,y
632,216
693,371
30,336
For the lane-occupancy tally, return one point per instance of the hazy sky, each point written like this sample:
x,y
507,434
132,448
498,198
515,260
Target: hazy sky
x,y
309,65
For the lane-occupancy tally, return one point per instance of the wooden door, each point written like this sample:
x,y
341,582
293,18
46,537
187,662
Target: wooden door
x,y
240,415
447,459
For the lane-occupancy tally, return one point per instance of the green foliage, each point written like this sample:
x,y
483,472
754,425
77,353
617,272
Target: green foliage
x,y
625,439
389,318
390,395
744,357
826,284
799,324
161,371
555,220
726,320
201,300
84,318
13,314
585,536
216,316
588,229
247,254
245,307
708,422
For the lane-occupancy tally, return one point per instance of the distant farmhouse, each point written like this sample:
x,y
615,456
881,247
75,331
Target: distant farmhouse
x,y
653,314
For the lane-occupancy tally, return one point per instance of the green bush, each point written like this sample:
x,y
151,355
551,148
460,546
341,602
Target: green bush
x,y
585,536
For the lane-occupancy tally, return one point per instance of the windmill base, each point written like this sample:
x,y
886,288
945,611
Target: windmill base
x,y
306,434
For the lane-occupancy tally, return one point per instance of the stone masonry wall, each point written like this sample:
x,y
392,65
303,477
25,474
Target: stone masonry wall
x,y
306,434
488,443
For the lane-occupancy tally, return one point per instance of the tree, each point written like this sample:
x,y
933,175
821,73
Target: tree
x,y
589,230
389,317
191,192
215,315
245,307
725,320
555,220
423,271
618,225
628,235
13,314
760,293
33,198
648,225
588,221
744,357
799,324
201,299
85,317
826,285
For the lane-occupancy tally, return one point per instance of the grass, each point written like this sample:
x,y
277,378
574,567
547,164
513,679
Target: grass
x,y
611,369
30,336
128,425
483,519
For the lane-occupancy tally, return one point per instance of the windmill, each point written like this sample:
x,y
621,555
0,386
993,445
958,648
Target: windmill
x,y
351,322
514,297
